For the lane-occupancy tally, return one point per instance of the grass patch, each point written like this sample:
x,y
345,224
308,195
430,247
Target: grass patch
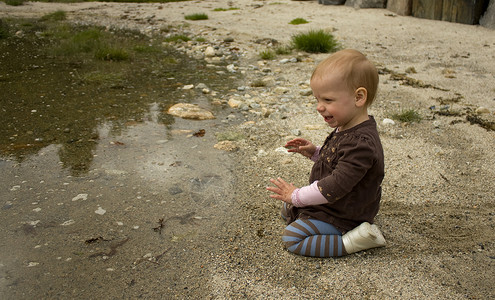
x,y
267,54
14,2
283,50
59,15
109,53
298,21
226,9
147,49
196,17
72,43
407,116
315,41
102,78
177,38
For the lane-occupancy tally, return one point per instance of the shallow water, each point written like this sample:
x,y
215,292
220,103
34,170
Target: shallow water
x,y
101,190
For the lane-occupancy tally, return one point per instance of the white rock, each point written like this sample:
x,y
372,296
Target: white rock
x,y
388,121
188,87
282,150
482,110
231,68
209,51
234,103
281,90
100,211
80,197
190,111
67,223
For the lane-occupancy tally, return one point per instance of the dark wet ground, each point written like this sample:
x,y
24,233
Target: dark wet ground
x,y
104,195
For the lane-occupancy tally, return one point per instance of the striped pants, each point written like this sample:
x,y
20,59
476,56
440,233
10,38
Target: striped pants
x,y
310,237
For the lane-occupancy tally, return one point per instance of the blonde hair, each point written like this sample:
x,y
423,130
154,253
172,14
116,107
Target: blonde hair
x,y
356,71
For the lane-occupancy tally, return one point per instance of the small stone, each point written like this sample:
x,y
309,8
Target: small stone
x,y
80,197
281,90
296,132
482,110
282,150
226,146
188,87
68,222
175,190
231,68
306,92
388,121
190,111
100,211
234,103
228,39
209,51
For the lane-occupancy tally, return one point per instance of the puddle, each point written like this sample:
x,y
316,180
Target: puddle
x,y
89,154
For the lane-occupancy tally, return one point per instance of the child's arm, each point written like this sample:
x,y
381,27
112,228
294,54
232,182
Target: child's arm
x,y
302,146
308,195
299,197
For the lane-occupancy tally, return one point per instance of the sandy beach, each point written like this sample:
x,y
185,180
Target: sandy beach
x,y
437,211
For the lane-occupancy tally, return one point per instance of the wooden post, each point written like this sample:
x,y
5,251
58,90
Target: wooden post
x,y
463,11
427,9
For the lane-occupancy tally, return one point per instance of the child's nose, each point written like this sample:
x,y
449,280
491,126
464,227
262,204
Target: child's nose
x,y
320,107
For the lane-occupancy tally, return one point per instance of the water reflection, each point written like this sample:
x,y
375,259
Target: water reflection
x,y
47,99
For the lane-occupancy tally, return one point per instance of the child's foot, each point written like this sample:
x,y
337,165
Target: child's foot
x,y
365,236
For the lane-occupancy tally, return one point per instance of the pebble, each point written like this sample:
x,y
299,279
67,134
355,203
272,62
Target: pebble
x,y
482,110
100,211
209,51
388,121
80,197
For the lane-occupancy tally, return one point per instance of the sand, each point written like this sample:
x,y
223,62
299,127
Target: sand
x,y
437,211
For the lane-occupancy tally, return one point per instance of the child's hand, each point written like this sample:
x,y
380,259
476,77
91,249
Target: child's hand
x,y
283,190
301,146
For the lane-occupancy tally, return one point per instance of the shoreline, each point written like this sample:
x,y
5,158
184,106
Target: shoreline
x,y
437,211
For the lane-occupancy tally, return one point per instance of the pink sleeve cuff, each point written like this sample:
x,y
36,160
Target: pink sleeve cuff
x,y
316,155
308,195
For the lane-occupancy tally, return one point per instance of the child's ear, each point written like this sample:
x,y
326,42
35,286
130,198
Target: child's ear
x,y
361,95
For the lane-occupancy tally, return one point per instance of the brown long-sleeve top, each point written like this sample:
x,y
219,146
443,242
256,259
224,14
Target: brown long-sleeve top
x,y
349,170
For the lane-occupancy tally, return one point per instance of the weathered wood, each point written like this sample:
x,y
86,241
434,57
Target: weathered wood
x,y
463,11
400,7
427,9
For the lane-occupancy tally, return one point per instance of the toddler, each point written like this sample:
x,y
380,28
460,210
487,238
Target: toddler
x,y
333,215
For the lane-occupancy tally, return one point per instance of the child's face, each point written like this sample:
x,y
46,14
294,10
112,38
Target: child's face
x,y
339,106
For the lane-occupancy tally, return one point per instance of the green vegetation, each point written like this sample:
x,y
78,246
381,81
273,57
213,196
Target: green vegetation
x,y
196,17
59,15
298,21
315,41
110,53
283,50
226,9
177,38
267,54
407,116
102,78
15,2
